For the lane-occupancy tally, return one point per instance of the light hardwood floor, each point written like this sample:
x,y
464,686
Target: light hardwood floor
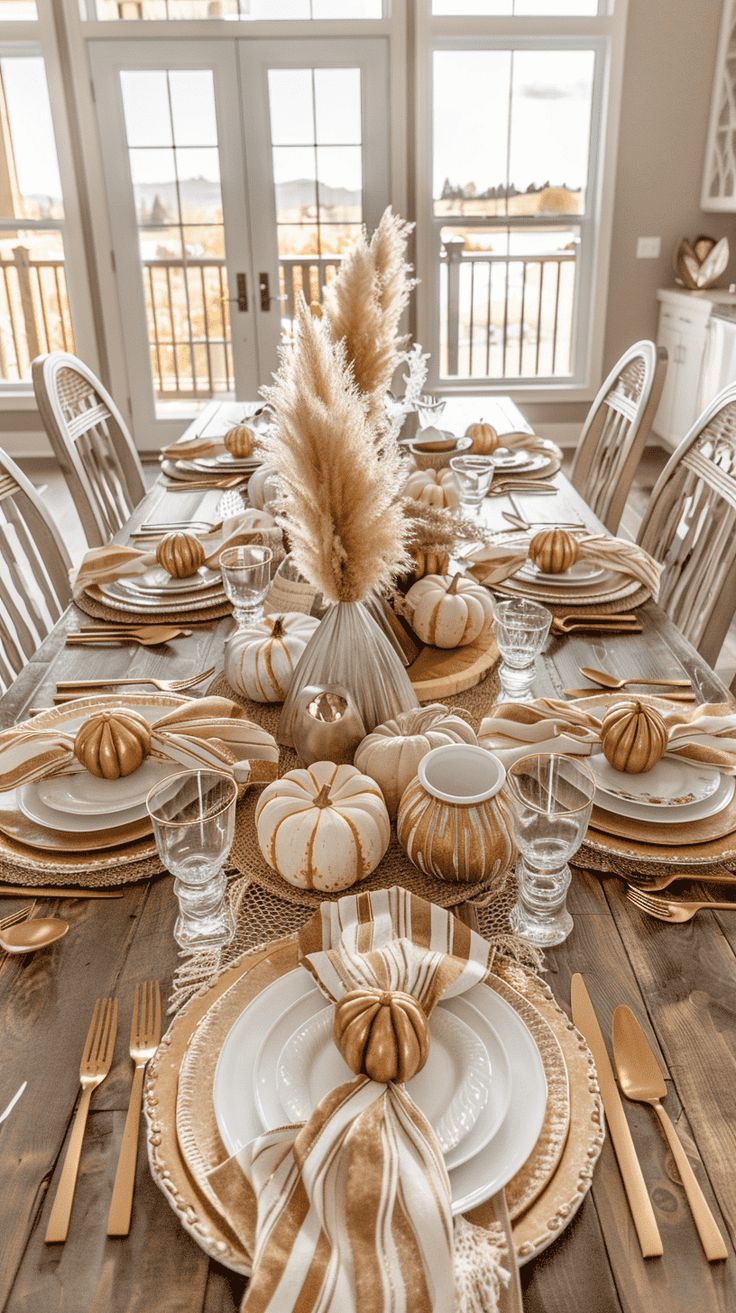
x,y
45,474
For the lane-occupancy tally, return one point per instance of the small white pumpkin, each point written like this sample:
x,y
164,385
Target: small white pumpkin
x,y
433,488
393,751
260,660
449,611
263,488
326,827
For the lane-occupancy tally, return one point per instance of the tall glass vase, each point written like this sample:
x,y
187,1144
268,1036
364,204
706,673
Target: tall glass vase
x,y
351,650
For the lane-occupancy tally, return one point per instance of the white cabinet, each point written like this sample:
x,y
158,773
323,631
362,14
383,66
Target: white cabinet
x,y
683,330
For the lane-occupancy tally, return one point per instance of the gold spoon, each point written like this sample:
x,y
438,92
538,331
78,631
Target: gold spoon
x,y
28,936
641,1079
603,678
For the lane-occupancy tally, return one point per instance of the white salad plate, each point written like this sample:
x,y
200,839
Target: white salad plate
x,y
157,580
452,1089
84,795
121,592
75,822
579,573
492,1165
519,459
672,783
670,815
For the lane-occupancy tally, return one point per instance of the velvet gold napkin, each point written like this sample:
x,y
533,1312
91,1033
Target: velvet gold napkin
x,y
203,733
351,1212
493,563
705,734
102,565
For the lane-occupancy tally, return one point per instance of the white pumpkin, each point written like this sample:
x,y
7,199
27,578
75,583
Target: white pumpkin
x,y
393,751
325,827
263,488
260,659
449,611
433,488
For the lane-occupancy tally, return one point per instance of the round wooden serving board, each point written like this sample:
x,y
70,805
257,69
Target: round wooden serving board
x,y
439,673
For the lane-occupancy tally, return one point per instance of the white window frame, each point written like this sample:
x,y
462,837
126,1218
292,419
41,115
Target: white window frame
x,y
38,37
605,34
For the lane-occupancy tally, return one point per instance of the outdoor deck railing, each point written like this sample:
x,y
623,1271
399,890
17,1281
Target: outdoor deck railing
x,y
502,316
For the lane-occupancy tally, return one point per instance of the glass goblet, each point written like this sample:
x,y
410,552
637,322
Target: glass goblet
x,y
473,474
551,799
193,817
521,628
246,574
430,411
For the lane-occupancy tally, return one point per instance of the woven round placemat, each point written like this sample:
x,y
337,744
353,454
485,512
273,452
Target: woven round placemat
x,y
34,874
395,868
98,611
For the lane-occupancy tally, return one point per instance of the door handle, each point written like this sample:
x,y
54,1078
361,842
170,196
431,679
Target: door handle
x,y
264,289
241,300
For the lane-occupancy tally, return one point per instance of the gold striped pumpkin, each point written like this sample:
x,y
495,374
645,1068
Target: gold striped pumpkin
x,y
261,658
449,611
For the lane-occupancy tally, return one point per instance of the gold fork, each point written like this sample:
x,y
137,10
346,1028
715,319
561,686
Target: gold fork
x,y
664,881
145,1033
96,1062
676,912
15,917
163,685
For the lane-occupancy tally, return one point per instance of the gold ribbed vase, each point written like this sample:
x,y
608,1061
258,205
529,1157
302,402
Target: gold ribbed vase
x,y
454,821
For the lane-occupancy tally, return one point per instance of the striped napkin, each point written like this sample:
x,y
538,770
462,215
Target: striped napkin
x,y
350,1212
491,564
704,734
102,565
203,733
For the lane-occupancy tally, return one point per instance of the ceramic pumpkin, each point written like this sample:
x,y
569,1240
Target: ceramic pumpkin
x,y
180,555
261,658
485,438
392,753
433,488
326,827
240,441
263,488
554,550
633,736
113,744
381,1033
454,821
449,612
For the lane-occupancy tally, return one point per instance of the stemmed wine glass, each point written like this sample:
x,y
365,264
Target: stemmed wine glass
x,y
193,817
551,798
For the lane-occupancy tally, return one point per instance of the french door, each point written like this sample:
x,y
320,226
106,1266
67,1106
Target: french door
x,y
237,172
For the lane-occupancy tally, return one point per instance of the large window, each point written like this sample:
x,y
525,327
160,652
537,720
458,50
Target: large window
x,y
244,9
34,304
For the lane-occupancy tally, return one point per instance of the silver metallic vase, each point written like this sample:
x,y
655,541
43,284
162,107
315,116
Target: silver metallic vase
x,y
327,725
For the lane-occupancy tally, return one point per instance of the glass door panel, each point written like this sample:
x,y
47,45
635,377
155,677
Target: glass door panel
x,y
176,191
317,147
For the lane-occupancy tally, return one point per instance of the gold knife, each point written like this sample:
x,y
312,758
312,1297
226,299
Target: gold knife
x,y
584,1017
640,1078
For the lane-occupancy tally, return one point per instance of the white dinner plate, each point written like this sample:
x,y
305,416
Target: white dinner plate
x,y
471,1182
673,782
452,1089
582,572
518,462
83,794
675,815
73,822
126,598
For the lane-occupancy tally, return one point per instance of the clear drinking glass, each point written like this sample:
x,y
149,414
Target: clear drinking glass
x,y
473,474
551,798
193,816
521,628
430,411
246,574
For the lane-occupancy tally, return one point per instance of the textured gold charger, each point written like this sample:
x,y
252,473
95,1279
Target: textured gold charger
x,y
394,869
100,610
546,1193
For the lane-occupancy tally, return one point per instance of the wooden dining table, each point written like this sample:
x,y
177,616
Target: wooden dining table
x,y
679,979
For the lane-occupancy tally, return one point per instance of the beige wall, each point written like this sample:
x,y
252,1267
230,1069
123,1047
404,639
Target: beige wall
x,y
668,72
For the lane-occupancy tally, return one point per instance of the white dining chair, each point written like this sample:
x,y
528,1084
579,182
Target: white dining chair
x,y
91,442
616,430
34,579
690,526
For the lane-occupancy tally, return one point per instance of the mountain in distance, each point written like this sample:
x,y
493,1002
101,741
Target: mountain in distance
x,y
203,195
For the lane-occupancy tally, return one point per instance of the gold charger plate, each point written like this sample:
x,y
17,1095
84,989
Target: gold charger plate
x,y
547,1209
680,834
166,606
711,852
